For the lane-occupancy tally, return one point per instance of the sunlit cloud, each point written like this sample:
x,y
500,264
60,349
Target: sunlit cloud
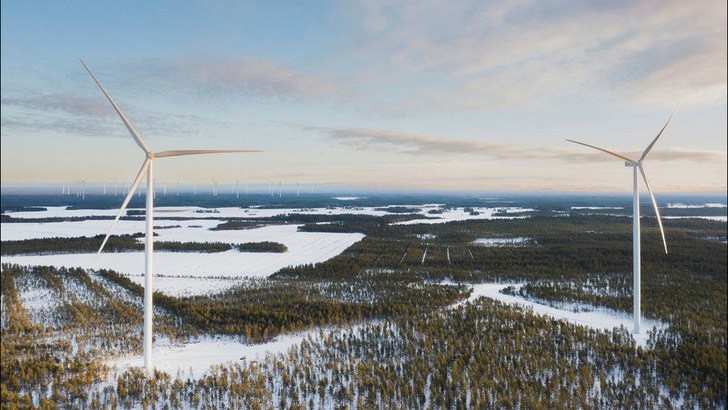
x,y
419,144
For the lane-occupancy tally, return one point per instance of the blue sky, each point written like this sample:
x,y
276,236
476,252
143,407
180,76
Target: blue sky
x,y
412,94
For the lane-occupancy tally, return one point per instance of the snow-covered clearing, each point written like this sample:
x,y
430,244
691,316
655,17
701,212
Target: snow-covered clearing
x,y
183,273
601,318
597,207
707,205
459,214
502,241
710,218
200,355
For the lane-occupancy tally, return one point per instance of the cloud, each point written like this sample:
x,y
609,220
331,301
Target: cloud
x,y
261,78
508,54
58,102
21,125
89,116
420,144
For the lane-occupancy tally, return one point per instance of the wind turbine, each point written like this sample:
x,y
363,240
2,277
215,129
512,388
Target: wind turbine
x,y
237,188
636,251
214,187
83,188
147,169
177,186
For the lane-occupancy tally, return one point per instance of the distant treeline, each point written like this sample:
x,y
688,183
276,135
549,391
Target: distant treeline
x,y
126,243
350,221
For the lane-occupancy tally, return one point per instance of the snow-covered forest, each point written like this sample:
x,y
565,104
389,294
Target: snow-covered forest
x,y
405,315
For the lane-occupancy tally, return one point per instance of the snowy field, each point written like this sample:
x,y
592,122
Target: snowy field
x,y
200,356
457,214
191,273
710,218
184,274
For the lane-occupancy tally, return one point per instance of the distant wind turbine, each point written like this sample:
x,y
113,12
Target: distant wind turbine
x,y
147,169
83,188
636,263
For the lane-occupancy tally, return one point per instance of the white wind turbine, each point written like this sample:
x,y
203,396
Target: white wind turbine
x,y
83,188
636,263
214,187
148,243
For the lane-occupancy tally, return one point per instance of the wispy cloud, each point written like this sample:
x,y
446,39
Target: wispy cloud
x,y
56,102
527,53
261,78
420,144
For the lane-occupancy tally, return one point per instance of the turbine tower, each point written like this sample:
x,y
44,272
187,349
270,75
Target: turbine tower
x,y
147,169
636,251
214,187
83,188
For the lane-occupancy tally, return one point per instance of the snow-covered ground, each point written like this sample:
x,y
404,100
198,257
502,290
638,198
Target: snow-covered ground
x,y
459,214
710,218
202,354
183,273
602,319
237,212
501,241
707,205
597,207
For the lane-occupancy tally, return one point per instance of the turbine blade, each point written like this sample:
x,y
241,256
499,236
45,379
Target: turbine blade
x,y
649,147
177,153
654,203
131,129
603,150
133,188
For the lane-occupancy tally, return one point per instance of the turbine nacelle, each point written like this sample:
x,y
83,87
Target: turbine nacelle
x,y
629,162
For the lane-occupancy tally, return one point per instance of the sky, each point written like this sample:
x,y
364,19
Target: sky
x,y
464,95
